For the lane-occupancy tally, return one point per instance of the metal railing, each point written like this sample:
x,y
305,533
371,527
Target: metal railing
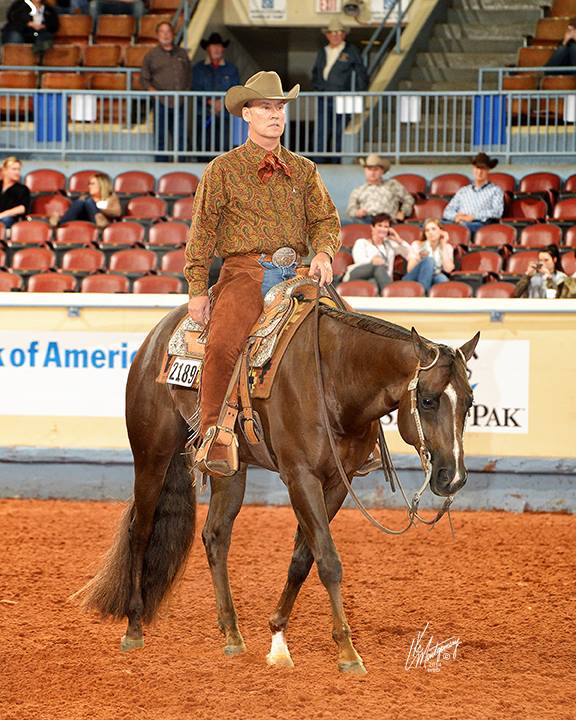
x,y
186,126
386,35
485,74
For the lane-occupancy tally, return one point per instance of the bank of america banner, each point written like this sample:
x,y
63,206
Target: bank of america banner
x,y
499,375
83,374
267,9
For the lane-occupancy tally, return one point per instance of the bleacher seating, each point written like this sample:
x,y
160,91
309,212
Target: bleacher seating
x,y
403,288
148,241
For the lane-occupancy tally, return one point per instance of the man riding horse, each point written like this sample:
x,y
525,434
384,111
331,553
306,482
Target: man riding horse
x,y
259,207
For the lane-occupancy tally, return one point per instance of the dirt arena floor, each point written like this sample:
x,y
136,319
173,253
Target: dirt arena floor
x,y
504,588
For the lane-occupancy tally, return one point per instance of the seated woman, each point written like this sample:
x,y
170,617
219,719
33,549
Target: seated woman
x,y
100,205
30,21
374,256
14,196
543,278
432,257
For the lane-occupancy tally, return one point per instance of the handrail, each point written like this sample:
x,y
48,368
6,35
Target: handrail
x,y
514,70
401,12
185,10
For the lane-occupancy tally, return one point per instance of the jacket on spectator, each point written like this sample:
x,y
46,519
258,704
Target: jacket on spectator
x,y
19,15
207,78
340,77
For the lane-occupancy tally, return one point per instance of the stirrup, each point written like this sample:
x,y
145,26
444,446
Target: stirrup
x,y
221,467
373,462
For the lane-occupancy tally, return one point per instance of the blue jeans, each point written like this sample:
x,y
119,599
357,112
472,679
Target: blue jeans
x,y
164,127
329,128
274,275
81,209
9,221
424,274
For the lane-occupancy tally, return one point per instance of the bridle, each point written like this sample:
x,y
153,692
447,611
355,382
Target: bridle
x,y
387,464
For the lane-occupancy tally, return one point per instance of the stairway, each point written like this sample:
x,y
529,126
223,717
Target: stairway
x,y
476,33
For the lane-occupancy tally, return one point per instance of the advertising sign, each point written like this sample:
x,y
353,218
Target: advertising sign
x,y
267,9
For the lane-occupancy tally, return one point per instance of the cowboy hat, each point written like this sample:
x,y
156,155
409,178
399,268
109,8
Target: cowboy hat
x,y
374,160
262,86
335,26
483,161
214,39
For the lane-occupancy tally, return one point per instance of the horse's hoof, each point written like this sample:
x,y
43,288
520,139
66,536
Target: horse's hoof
x,y
281,661
355,667
127,643
233,650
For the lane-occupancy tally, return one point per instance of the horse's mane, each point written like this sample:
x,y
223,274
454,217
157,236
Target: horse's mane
x,y
370,324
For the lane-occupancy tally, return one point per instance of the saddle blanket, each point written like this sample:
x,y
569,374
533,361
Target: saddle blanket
x,y
286,306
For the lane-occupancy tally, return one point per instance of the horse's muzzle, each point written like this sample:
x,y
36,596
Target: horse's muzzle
x,y
444,483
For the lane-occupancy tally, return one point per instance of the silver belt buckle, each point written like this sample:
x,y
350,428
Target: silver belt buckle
x,y
284,257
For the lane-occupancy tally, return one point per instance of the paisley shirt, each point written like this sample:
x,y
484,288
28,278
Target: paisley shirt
x,y
235,213
389,196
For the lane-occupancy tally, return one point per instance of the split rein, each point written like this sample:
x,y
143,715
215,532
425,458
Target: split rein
x,y
387,464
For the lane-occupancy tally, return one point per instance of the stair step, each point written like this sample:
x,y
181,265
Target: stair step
x,y
489,83
464,45
495,17
498,4
454,62
480,33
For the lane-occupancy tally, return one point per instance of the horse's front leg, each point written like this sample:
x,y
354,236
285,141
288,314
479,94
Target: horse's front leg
x,y
298,571
226,499
307,498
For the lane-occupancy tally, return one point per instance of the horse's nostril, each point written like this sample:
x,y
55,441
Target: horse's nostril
x,y
444,475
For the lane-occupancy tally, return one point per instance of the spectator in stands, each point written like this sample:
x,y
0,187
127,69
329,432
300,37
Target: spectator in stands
x,y
136,8
30,21
166,68
565,53
544,278
99,206
378,196
72,7
432,257
213,74
14,196
338,68
374,257
479,203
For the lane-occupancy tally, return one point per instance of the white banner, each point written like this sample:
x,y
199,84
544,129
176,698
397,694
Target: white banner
x,y
499,376
267,9
79,374
380,8
83,374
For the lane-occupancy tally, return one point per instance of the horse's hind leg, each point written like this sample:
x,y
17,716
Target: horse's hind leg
x,y
298,571
225,503
306,496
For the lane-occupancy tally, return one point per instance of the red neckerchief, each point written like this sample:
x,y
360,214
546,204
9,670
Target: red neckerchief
x,y
268,164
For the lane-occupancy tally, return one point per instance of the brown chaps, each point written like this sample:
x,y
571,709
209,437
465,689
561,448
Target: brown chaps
x,y
237,303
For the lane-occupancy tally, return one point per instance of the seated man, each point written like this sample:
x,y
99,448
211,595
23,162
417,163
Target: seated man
x,y
479,203
565,53
378,196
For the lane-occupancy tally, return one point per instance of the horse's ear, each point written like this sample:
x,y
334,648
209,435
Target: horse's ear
x,y
468,348
424,352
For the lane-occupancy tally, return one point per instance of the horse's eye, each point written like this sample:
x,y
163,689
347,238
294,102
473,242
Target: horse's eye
x,y
428,403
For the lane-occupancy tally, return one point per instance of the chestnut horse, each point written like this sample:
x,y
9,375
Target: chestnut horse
x,y
367,365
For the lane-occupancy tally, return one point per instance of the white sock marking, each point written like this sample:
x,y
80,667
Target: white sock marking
x,y
279,653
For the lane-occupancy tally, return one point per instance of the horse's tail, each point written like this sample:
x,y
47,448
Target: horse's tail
x,y
108,592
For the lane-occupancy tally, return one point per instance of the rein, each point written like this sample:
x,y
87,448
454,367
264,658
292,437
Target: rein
x,y
387,464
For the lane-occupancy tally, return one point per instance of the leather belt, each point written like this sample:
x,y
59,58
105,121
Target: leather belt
x,y
281,258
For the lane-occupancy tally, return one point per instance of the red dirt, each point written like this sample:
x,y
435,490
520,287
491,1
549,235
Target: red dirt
x,y
505,588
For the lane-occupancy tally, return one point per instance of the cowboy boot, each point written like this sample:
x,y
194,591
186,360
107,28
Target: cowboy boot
x,y
216,458
373,462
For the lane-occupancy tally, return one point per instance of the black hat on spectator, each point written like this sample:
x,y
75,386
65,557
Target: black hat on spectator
x,y
484,161
214,39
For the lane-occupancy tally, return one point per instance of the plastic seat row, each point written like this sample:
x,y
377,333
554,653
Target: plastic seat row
x,y
77,29
141,207
96,283
408,288
105,55
132,182
83,233
133,261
